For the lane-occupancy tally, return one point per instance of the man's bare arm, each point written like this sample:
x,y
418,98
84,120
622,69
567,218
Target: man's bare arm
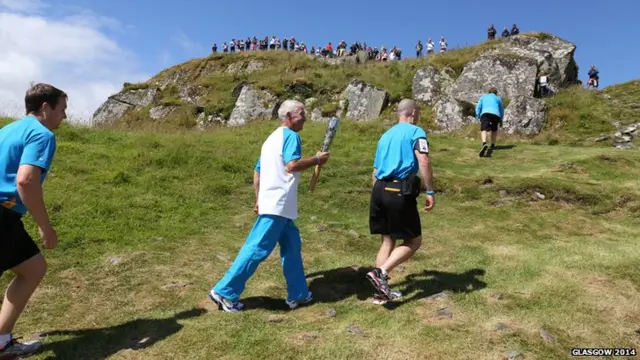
x,y
30,191
304,164
373,176
426,172
256,182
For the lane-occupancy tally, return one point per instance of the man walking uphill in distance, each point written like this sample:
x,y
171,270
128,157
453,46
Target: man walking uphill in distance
x,y
276,178
490,112
402,151
27,147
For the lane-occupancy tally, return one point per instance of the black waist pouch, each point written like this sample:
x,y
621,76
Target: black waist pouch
x,y
410,186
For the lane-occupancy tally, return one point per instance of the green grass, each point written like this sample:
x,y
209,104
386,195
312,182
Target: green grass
x,y
177,207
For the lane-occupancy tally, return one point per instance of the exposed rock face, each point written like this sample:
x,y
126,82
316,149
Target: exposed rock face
x,y
510,75
551,53
365,102
251,105
452,114
117,105
205,121
162,111
525,115
429,84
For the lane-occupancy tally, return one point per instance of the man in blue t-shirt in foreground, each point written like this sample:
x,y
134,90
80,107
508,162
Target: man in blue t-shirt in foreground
x,y
275,182
27,147
402,152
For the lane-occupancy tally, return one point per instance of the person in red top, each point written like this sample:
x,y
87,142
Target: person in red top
x,y
330,50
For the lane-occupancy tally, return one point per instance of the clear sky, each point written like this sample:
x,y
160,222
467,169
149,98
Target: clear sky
x,y
155,34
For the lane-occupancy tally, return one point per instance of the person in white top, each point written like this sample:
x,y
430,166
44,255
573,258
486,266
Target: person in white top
x,y
430,46
443,45
275,182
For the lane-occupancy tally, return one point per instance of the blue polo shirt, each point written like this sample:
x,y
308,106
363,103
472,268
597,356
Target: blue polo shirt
x,y
395,157
23,142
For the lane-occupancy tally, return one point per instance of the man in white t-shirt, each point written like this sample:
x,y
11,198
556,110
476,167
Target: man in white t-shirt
x,y
275,182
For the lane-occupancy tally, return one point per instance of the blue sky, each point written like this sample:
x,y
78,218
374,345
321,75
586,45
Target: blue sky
x,y
162,25
154,34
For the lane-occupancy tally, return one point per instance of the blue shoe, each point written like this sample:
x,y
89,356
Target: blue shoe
x,y
224,304
294,304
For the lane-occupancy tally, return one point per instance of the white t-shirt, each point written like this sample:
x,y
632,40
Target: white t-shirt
x,y
278,192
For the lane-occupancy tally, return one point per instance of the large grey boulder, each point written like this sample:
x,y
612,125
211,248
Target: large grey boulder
x,y
252,104
110,111
524,115
365,102
512,76
430,84
551,53
119,104
163,111
451,114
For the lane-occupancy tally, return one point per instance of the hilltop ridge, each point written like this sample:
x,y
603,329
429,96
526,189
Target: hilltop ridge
x,y
235,89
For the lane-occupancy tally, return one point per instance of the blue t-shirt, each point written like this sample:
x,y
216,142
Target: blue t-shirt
x,y
23,142
490,104
395,157
291,147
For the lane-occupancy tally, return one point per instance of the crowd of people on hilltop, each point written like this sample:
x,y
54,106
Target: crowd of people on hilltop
x,y
328,51
372,53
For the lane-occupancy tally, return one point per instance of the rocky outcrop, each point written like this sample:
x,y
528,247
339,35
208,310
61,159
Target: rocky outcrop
x,y
451,114
205,121
365,102
163,111
512,76
524,115
119,104
430,84
253,104
552,54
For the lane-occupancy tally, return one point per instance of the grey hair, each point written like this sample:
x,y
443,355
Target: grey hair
x,y
288,106
406,106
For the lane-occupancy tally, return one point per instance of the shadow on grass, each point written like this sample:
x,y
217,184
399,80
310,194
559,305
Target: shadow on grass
x,y
102,343
339,284
431,282
327,286
504,147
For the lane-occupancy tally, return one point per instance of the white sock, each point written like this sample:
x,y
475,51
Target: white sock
x,y
4,339
384,272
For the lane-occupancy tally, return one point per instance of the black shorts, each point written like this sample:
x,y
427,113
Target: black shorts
x,y
16,246
489,122
393,214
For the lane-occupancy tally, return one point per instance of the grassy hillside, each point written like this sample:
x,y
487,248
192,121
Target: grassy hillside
x,y
149,221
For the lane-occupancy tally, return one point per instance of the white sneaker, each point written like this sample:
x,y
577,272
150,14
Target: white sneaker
x,y
224,304
295,304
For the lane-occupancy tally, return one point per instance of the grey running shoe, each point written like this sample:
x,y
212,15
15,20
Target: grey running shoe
x,y
379,282
380,299
15,348
224,304
294,304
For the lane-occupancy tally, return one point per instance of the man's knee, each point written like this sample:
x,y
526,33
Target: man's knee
x,y
33,269
414,244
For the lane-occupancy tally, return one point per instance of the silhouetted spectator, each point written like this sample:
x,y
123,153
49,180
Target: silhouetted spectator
x,y
419,49
505,32
225,48
491,33
214,48
515,30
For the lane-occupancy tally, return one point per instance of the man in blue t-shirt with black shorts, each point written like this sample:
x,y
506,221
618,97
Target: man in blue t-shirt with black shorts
x,y
402,151
490,112
27,147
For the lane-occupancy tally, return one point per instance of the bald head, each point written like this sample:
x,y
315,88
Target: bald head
x,y
406,107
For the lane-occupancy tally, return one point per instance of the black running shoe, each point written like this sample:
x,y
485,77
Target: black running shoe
x,y
379,282
483,151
